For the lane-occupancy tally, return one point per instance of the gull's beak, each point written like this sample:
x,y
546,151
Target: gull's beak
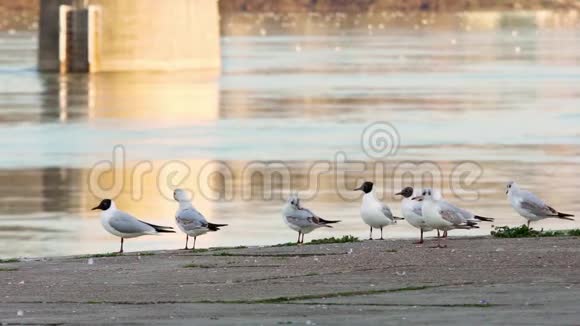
x,y
507,191
95,208
419,198
399,193
359,188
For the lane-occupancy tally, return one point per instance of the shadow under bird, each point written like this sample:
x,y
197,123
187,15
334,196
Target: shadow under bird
x,y
124,225
374,213
442,215
412,210
302,220
530,206
189,220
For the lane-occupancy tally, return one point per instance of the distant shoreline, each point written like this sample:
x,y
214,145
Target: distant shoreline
x,y
235,6
31,7
23,14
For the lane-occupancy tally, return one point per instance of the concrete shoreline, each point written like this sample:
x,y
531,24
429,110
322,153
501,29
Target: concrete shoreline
x,y
474,280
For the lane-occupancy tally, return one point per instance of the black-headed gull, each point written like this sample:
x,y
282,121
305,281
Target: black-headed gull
x,y
374,213
189,220
300,219
530,206
443,215
412,211
126,226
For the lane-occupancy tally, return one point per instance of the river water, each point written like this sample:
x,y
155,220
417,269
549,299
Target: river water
x,y
464,102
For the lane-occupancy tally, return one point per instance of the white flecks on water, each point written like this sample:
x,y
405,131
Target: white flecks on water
x,y
20,313
90,261
517,49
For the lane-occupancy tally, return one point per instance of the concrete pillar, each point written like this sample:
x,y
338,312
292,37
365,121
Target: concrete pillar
x,y
48,34
77,41
132,35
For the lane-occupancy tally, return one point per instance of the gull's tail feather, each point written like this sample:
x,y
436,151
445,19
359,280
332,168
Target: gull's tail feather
x,y
323,221
467,227
483,218
215,227
398,218
565,216
472,224
164,231
161,229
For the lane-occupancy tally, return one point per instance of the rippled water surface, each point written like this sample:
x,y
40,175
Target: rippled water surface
x,y
490,93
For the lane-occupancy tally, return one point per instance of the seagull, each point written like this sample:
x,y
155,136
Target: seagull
x,y
374,213
442,215
530,206
189,220
126,226
302,220
412,211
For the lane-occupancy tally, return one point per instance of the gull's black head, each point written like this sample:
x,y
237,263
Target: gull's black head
x,y
406,192
104,205
366,187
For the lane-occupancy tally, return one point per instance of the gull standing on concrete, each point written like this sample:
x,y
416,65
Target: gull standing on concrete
x,y
530,206
302,220
412,210
442,215
374,213
189,220
126,226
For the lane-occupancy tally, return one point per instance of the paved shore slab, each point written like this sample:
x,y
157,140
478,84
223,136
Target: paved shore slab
x,y
477,280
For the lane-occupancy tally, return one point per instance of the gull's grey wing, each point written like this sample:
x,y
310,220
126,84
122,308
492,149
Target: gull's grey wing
x,y
126,223
303,217
535,205
191,219
387,212
466,214
451,213
418,209
300,222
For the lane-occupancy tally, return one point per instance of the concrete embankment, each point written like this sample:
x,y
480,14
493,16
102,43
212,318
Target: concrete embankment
x,y
473,281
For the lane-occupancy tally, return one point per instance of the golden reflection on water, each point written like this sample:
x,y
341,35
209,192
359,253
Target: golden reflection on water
x,y
165,98
54,199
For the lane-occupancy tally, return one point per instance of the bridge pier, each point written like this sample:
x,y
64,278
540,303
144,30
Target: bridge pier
x,y
128,35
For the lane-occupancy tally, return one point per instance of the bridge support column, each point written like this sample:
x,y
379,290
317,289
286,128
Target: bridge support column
x,y
128,35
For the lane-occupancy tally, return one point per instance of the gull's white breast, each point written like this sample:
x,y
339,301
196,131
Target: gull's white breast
x,y
371,212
